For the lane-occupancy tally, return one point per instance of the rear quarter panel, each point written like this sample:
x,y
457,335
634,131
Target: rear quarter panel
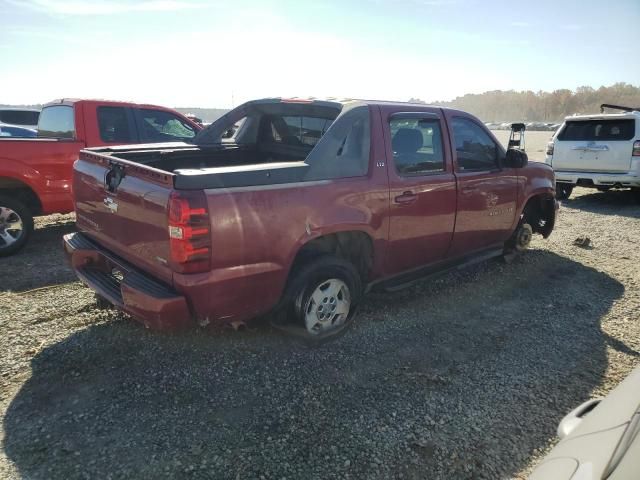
x,y
257,232
45,165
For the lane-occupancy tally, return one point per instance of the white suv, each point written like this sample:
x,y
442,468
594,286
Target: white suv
x,y
597,151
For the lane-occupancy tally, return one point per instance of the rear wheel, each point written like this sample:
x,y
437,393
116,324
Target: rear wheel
x,y
636,193
16,225
563,190
322,298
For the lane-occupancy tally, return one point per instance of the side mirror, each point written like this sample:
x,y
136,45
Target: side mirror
x,y
516,158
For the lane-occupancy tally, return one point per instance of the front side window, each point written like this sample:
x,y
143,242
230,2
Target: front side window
x,y
113,125
416,146
160,126
474,147
57,122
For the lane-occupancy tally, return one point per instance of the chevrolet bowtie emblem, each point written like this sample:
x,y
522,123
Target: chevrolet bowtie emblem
x,y
110,204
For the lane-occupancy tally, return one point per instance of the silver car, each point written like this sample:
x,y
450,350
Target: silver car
x,y
598,440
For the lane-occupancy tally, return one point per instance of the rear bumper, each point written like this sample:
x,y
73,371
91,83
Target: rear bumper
x,y
598,179
152,303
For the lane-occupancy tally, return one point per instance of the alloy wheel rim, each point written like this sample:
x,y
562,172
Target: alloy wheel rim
x,y
328,306
11,227
524,236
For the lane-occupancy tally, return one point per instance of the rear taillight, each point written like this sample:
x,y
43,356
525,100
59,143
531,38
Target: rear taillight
x,y
550,146
189,232
636,148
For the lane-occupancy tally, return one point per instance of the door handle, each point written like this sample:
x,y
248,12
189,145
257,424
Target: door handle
x,y
406,198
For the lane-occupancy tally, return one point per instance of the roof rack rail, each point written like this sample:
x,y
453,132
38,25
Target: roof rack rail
x,y
618,107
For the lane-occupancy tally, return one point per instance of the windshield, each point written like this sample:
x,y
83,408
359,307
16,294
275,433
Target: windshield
x,y
57,122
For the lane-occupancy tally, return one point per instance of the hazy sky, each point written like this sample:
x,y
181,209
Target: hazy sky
x,y
219,53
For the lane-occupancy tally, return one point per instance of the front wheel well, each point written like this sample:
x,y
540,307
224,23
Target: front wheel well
x,y
355,247
20,191
539,212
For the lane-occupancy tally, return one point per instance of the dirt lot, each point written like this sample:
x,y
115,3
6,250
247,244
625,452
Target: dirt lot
x,y
461,376
535,142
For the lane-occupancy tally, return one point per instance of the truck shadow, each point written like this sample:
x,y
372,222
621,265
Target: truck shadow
x,y
41,262
612,202
459,377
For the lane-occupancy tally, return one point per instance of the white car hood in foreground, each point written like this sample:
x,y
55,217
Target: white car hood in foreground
x,y
592,440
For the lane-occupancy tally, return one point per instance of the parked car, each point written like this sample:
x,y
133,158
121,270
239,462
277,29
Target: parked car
x,y
15,131
596,151
35,174
599,439
310,205
20,117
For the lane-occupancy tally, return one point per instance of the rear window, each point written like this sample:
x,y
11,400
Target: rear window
x,y
19,117
114,125
296,130
594,130
57,122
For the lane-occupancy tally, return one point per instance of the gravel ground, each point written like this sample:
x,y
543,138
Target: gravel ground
x,y
462,376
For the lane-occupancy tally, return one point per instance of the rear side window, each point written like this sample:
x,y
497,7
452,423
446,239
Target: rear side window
x,y
474,147
343,151
19,117
114,125
416,146
594,130
57,122
158,126
229,136
295,130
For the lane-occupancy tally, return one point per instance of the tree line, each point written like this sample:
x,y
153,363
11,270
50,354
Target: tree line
x,y
529,106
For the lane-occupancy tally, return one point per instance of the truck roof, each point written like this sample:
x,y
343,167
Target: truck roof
x,y
350,102
19,109
73,101
599,116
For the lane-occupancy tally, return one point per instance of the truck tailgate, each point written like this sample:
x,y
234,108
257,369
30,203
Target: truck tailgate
x,y
595,145
608,157
123,206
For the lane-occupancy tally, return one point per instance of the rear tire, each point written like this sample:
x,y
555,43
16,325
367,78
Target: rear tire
x,y
563,190
16,225
321,299
636,194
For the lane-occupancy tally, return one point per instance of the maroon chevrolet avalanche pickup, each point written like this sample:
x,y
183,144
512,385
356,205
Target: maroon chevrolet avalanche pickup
x,y
298,208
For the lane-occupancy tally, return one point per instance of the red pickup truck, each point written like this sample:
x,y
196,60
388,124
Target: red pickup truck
x,y
299,207
35,173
